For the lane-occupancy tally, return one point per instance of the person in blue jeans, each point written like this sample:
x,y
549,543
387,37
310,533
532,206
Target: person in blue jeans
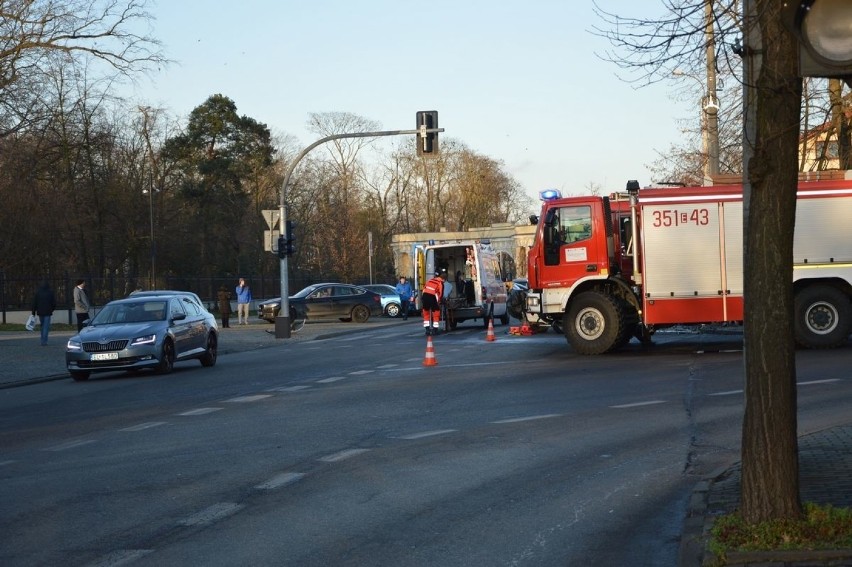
x,y
406,296
243,292
44,303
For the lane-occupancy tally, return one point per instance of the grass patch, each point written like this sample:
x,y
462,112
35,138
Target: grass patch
x,y
823,527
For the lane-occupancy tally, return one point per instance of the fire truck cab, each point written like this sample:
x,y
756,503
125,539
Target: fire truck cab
x,y
613,268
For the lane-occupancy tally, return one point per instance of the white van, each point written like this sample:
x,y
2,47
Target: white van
x,y
474,287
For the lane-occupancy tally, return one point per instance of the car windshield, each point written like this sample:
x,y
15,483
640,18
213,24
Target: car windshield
x,y
135,312
383,289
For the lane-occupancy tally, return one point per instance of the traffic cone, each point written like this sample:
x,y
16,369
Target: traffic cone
x,y
430,359
489,336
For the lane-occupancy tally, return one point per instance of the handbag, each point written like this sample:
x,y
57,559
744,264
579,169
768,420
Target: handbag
x,y
31,323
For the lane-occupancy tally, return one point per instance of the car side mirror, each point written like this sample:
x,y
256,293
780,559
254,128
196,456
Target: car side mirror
x,y
179,317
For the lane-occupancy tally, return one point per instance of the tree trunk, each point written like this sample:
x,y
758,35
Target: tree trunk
x,y
770,471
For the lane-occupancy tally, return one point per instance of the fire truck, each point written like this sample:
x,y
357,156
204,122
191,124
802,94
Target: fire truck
x,y
608,269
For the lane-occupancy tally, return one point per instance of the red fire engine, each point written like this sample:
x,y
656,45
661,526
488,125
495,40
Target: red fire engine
x,y
608,269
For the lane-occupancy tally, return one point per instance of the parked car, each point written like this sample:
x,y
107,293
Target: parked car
x,y
391,304
326,301
155,292
143,331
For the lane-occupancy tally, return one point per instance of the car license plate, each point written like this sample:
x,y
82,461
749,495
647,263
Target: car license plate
x,y
105,356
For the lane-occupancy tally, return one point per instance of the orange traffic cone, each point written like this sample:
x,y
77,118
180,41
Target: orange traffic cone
x,y
489,336
430,359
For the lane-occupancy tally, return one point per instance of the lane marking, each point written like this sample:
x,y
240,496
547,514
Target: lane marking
x,y
342,455
330,380
5,463
245,399
360,372
528,418
143,426
280,480
386,366
728,393
289,388
638,404
199,411
212,514
427,434
446,366
811,382
120,557
70,445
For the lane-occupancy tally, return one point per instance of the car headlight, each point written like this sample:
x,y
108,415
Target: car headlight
x,y
146,340
74,346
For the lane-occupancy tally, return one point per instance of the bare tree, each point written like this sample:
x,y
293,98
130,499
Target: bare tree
x,y
37,37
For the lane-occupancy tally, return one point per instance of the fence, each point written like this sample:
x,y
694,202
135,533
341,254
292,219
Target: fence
x,y
16,294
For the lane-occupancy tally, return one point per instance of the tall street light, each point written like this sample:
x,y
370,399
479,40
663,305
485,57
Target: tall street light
x,y
150,192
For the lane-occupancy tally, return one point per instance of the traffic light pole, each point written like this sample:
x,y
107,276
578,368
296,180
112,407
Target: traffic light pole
x,y
282,322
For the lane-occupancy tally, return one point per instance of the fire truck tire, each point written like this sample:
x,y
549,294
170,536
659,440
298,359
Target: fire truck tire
x,y
822,317
631,323
595,323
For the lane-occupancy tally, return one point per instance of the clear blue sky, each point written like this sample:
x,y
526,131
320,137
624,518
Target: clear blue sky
x,y
516,81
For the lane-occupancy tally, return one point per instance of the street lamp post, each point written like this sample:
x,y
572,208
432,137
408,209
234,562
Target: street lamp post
x,y
150,192
709,127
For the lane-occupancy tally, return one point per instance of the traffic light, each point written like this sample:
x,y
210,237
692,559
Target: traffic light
x,y
427,142
290,244
822,29
282,247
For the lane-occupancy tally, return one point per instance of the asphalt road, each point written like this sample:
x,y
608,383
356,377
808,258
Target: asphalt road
x,y
348,451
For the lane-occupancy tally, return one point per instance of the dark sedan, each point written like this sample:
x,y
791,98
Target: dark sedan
x,y
327,301
143,332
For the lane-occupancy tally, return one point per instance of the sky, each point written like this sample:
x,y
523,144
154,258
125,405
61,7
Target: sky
x,y
519,82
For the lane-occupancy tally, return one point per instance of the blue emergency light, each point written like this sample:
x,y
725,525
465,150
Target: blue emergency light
x,y
550,194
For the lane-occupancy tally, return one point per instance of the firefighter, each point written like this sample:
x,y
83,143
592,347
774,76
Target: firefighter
x,y
432,296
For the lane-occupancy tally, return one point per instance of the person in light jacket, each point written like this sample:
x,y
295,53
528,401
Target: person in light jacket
x,y
44,303
81,304
243,300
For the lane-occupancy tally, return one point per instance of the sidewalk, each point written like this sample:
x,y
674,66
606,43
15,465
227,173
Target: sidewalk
x,y
825,477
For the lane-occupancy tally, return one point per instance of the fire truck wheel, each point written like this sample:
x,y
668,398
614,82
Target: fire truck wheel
x,y
594,324
822,317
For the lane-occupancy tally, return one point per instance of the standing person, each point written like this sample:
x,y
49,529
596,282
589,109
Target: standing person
x,y
432,296
44,303
406,296
81,304
243,301
225,306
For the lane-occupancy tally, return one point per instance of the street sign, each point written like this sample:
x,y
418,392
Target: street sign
x,y
270,240
271,216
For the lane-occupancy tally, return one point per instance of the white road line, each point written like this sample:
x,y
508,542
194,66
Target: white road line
x,y
280,480
120,557
212,514
5,463
289,388
342,455
385,366
728,393
70,445
638,404
245,399
427,434
143,426
410,368
528,418
331,379
359,372
200,411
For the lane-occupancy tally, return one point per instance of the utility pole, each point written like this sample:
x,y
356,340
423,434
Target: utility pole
x,y
711,101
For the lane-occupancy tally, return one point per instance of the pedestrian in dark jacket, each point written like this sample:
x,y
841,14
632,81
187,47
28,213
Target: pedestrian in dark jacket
x,y
44,303
224,298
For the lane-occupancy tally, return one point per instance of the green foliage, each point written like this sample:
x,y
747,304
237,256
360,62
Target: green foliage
x,y
822,527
